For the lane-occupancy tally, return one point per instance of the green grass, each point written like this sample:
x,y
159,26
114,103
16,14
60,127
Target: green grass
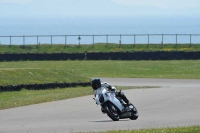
x,y
28,97
99,47
16,76
29,72
25,72
189,129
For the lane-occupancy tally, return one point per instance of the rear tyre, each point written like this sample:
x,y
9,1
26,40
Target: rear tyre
x,y
111,111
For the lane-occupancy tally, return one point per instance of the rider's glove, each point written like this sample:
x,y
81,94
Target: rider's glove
x,y
113,89
109,87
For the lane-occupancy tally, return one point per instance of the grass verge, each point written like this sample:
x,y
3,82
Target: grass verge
x,y
189,129
32,72
28,97
98,47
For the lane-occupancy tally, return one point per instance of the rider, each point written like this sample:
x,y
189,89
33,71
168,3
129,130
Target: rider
x,y
97,84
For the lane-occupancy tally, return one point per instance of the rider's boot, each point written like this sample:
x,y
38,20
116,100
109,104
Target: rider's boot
x,y
129,103
126,106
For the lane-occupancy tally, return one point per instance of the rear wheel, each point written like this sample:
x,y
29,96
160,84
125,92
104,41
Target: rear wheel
x,y
111,111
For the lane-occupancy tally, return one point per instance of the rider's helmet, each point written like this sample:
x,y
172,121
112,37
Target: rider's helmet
x,y
96,83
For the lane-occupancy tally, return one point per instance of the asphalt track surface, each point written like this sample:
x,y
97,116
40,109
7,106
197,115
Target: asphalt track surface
x,y
176,103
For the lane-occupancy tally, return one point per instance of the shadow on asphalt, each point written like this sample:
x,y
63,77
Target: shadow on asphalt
x,y
110,120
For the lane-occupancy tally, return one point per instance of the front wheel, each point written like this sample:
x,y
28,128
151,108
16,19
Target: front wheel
x,y
111,111
134,113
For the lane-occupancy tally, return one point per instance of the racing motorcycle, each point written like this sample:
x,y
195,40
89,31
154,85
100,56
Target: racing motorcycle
x,y
114,106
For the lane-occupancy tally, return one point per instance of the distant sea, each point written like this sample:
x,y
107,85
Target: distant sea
x,y
99,26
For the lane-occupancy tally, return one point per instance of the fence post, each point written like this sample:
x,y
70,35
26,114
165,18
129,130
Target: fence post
x,y
148,41
23,40
120,40
65,40
190,41
10,41
106,40
134,40
51,40
162,41
176,41
37,39
93,40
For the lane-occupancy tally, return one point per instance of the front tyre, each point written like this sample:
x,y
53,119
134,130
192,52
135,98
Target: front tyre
x,y
134,113
111,111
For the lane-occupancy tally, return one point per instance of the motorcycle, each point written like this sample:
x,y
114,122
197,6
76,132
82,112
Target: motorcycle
x,y
114,106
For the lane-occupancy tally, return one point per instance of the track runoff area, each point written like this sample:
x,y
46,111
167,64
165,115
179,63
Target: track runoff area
x,y
175,103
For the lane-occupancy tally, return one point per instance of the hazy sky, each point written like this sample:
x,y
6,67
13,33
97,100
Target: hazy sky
x,y
97,8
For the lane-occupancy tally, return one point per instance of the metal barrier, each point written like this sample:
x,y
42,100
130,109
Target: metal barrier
x,y
106,39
